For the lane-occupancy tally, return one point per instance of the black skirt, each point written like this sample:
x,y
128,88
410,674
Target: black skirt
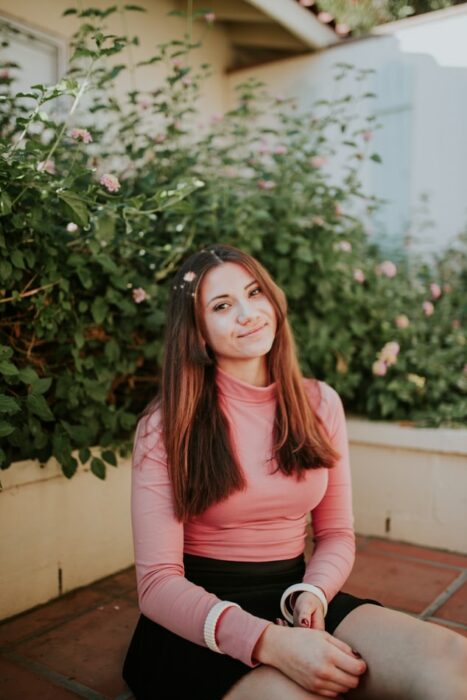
x,y
160,665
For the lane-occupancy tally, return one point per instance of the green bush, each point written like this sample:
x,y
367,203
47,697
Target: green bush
x,y
98,207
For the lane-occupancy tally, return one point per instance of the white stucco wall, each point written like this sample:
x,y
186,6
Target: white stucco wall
x,y
152,27
420,79
409,484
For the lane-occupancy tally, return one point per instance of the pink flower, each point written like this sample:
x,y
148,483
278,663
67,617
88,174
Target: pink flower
x,y
210,17
389,353
189,276
417,379
435,290
402,321
71,227
144,103
379,368
159,138
177,63
230,171
279,98
263,148
318,221
428,308
266,184
307,3
342,29
216,119
367,135
81,135
318,161
325,17
186,80
4,74
280,150
359,276
139,294
387,268
110,182
345,246
47,166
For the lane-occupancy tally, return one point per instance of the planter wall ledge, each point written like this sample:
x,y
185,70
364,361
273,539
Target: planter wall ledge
x,y
409,484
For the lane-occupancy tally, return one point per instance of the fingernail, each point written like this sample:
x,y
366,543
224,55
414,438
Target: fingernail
x,y
304,622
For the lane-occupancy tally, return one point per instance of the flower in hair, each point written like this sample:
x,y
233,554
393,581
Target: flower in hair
x,y
189,276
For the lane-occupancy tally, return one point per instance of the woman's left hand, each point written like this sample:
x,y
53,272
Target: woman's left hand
x,y
308,612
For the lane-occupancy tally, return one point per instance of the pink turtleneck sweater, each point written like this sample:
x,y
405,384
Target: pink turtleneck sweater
x,y
265,522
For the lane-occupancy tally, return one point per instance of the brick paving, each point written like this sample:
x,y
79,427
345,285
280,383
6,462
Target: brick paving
x,y
73,646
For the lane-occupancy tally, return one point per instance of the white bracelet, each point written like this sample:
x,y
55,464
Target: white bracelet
x,y
211,622
301,588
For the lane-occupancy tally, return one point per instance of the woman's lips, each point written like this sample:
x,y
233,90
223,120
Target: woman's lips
x,y
255,330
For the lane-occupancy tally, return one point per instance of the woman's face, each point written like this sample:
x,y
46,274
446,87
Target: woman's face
x,y
239,320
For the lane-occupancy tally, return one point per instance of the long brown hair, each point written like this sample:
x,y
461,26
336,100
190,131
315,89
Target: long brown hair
x,y
201,464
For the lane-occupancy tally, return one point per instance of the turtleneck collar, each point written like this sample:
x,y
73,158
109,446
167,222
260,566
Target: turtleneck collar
x,y
242,391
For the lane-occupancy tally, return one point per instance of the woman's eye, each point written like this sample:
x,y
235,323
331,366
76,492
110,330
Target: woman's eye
x,y
255,292
218,307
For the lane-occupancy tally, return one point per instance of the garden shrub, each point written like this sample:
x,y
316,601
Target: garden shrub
x,y
98,207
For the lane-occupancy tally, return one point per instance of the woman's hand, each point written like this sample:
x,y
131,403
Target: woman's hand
x,y
308,611
314,659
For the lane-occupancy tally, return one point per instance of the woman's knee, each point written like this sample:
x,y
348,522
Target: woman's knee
x,y
446,671
267,683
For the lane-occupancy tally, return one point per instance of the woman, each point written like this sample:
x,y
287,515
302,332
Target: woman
x,y
228,461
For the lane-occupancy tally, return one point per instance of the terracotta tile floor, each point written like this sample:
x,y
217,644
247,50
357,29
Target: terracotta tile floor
x,y
73,647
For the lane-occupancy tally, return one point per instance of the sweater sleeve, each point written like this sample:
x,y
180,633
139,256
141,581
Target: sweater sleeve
x,y
165,595
332,519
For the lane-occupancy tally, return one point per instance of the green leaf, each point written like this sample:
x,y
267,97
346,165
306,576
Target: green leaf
x,y
84,454
76,205
40,386
28,375
99,309
38,405
5,204
81,434
112,350
108,264
98,467
5,270
376,158
5,352
17,259
9,405
8,369
135,8
127,420
109,457
30,258
61,450
85,277
6,428
105,228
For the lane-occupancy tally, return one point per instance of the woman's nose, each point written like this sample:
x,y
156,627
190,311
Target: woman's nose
x,y
246,315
